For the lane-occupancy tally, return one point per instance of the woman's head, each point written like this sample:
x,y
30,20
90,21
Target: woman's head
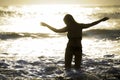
x,y
68,19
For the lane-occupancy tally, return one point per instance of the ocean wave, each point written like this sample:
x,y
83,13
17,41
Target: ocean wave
x,y
103,33
113,15
93,33
14,35
10,13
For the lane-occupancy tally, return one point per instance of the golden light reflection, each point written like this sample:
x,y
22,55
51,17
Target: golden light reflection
x,y
37,47
31,16
29,21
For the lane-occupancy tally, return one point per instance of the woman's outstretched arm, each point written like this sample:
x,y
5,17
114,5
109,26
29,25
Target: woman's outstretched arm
x,y
95,23
54,29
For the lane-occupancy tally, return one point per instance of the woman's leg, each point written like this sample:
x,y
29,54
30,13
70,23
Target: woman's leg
x,y
68,58
78,58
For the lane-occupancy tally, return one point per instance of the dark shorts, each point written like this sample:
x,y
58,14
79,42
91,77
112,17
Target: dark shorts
x,y
75,48
74,45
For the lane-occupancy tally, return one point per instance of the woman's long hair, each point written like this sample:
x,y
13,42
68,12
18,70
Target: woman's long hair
x,y
68,19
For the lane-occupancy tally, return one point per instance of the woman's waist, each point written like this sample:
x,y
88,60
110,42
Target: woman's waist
x,y
74,37
74,42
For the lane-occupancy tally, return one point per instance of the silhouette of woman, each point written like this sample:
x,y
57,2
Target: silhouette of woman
x,y
74,34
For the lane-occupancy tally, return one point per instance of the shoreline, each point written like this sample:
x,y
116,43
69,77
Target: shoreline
x,y
41,68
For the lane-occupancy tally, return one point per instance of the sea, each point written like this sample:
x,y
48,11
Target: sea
x,y
22,36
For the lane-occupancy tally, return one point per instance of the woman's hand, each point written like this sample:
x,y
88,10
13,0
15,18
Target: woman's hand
x,y
43,24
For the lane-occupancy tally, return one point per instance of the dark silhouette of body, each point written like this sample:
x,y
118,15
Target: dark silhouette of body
x,y
74,34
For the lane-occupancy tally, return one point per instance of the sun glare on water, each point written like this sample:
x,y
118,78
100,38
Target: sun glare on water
x,y
32,16
30,22
51,14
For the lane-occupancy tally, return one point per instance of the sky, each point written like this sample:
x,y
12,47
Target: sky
x,y
29,2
